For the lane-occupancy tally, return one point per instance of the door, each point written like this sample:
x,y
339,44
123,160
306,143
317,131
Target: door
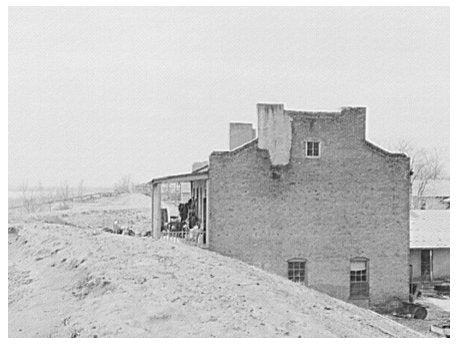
x,y
426,256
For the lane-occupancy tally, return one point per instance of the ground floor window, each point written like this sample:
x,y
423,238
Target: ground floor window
x,y
297,270
359,278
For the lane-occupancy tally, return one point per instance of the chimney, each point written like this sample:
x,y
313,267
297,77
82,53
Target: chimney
x,y
356,119
198,164
274,132
240,133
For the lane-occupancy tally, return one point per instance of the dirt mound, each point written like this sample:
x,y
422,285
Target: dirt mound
x,y
91,285
79,281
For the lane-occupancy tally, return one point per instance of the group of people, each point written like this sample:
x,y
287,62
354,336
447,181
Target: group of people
x,y
188,212
189,226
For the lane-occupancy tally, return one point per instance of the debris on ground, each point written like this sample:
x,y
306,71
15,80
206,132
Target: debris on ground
x,y
411,310
438,311
402,309
14,229
442,328
107,229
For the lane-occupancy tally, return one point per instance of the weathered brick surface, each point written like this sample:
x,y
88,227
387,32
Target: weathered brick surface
x,y
240,133
274,126
351,202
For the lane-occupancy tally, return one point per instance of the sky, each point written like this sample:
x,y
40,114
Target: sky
x,y
95,94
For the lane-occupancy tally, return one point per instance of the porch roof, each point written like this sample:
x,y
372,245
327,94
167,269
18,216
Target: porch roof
x,y
430,229
181,178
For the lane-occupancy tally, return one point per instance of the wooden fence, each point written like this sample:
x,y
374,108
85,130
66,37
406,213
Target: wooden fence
x,y
82,198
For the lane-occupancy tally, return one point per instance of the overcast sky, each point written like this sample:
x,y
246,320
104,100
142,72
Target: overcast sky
x,y
99,93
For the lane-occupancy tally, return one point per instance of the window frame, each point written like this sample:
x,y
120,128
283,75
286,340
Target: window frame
x,y
359,283
294,270
314,141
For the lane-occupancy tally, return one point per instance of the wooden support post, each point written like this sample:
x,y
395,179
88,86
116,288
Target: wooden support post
x,y
156,211
207,212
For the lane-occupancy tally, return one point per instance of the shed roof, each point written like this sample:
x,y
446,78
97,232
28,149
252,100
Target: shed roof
x,y
429,229
181,178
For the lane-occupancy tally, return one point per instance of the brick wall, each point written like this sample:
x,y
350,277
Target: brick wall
x,y
351,202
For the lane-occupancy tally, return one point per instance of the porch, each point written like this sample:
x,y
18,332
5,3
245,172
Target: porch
x,y
191,222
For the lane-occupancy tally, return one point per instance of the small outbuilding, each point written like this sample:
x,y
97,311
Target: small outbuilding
x,y
430,245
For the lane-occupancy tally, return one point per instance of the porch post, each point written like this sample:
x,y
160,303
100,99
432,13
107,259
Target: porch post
x,y
207,213
156,211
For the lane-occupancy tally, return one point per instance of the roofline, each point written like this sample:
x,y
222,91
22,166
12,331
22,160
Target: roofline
x,y
377,149
200,168
184,177
428,247
241,123
237,149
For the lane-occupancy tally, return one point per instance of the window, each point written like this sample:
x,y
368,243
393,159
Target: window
x,y
312,149
359,279
296,271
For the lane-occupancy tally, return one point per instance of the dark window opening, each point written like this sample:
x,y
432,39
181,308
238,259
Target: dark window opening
x,y
297,271
359,279
313,148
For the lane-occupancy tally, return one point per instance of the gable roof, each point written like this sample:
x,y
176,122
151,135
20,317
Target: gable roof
x,y
429,229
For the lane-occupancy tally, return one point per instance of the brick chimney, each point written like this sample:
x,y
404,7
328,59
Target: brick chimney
x,y
274,132
240,133
356,120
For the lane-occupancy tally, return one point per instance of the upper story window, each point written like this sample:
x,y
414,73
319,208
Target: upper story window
x,y
297,271
312,149
359,278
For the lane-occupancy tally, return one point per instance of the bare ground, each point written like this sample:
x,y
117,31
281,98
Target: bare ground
x,y
435,315
68,278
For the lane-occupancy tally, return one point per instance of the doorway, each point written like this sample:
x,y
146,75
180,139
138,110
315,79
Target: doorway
x,y
426,265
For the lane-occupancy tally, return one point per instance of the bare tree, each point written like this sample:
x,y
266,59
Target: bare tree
x,y
64,191
64,194
41,197
424,166
51,196
81,188
123,185
28,197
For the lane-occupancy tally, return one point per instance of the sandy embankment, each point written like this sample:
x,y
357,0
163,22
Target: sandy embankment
x,y
68,278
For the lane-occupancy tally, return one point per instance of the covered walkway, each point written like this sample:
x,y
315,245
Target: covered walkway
x,y
199,201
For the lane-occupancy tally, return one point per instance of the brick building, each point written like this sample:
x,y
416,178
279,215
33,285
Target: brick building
x,y
310,199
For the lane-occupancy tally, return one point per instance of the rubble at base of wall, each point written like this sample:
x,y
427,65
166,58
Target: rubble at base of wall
x,y
395,306
389,306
